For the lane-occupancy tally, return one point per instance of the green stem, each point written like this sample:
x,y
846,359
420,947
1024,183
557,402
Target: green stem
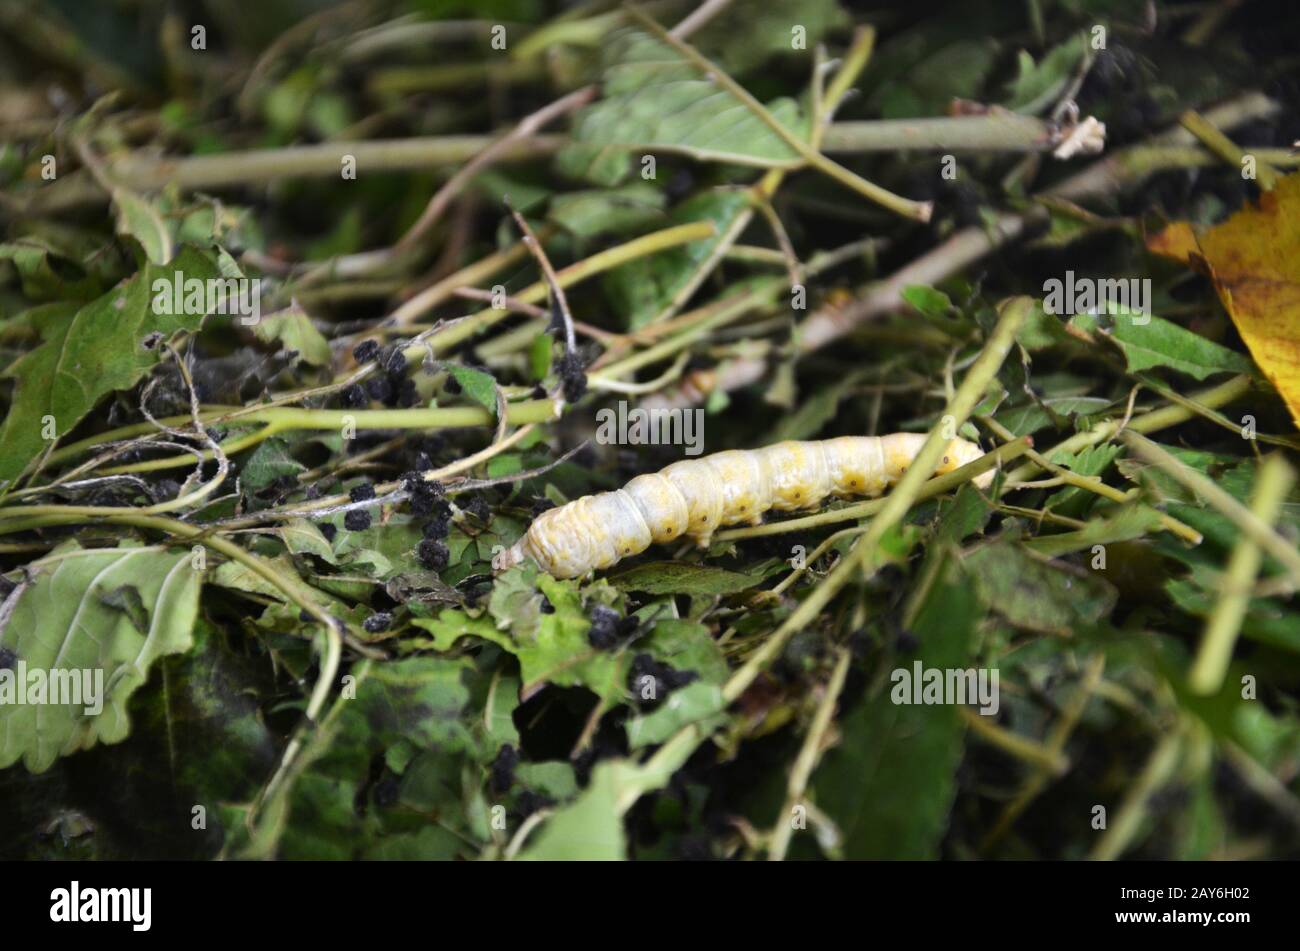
x,y
726,313
1159,770
282,418
996,132
1252,526
1214,416
1095,485
211,172
1224,624
39,516
1031,752
469,276
1209,135
438,342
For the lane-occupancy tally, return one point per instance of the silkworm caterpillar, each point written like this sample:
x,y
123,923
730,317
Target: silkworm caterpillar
x,y
695,497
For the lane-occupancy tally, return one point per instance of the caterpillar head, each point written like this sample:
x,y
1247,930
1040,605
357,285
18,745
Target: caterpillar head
x,y
959,453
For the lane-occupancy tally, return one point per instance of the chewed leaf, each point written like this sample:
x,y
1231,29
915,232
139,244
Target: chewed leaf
x,y
296,332
98,618
43,270
551,647
88,352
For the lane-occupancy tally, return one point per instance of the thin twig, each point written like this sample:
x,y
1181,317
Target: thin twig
x,y
811,751
558,300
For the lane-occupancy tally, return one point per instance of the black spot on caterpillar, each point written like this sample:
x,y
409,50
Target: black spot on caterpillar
x,y
695,497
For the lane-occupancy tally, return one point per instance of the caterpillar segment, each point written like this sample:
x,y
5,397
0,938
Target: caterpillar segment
x,y
695,497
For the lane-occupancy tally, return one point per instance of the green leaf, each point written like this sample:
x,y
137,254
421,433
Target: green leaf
x,y
640,289
239,577
1148,341
35,259
552,648
269,461
523,195
540,354
497,724
554,779
927,300
965,515
138,218
1128,523
1028,419
603,165
294,329
1042,330
745,36
515,602
1040,85
686,645
690,704
654,99
1037,594
100,613
88,352
617,211
889,785
927,86
198,737
419,702
675,577
479,385
389,547
591,828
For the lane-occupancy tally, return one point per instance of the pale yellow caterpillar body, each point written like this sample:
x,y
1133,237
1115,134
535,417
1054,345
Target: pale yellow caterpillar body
x,y
695,497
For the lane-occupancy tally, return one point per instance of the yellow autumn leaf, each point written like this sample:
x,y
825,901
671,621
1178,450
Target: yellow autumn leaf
x,y
1254,260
